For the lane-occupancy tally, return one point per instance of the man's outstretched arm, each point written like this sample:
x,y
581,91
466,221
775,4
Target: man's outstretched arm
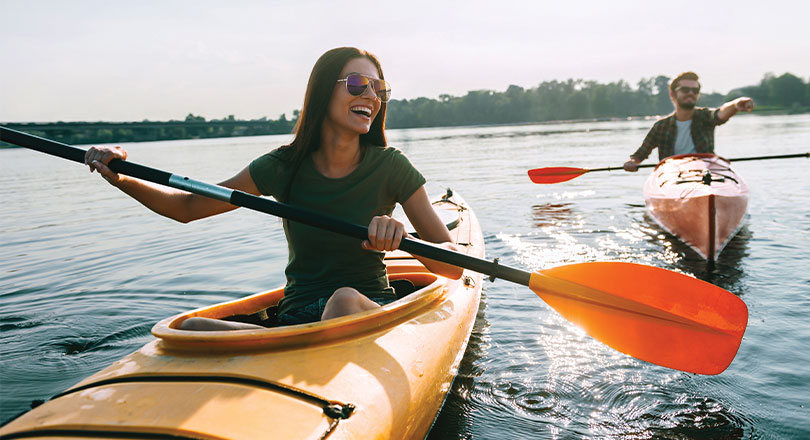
x,y
729,109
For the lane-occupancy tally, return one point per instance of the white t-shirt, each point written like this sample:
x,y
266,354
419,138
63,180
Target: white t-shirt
x,y
683,141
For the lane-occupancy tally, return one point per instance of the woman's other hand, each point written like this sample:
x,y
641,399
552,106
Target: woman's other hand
x,y
97,158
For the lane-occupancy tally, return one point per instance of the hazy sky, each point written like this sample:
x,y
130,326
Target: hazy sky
x,y
143,59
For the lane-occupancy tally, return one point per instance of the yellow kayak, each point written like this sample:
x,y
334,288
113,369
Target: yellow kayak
x,y
377,374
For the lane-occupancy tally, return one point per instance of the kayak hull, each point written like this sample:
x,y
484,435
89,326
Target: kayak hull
x,y
377,374
699,199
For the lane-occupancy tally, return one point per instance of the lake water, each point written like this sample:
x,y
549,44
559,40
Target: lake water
x,y
85,272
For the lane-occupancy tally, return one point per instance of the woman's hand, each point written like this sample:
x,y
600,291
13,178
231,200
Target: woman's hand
x,y
384,234
97,159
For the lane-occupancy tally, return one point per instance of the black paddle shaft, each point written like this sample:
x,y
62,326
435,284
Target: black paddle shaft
x,y
243,199
778,156
736,159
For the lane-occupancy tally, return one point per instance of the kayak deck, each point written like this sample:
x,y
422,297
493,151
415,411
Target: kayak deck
x,y
699,199
377,374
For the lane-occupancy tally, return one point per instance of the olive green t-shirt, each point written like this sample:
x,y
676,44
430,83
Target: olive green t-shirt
x,y
321,261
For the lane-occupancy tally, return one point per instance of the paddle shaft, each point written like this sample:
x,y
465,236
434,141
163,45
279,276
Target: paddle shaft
x,y
738,159
779,156
243,199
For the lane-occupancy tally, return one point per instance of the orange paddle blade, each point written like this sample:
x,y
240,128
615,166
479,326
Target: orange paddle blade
x,y
652,314
555,174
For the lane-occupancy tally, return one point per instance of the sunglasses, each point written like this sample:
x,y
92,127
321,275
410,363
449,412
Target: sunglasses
x,y
684,89
356,85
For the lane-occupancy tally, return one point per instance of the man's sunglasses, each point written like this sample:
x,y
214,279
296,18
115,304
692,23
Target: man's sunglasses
x,y
684,89
356,85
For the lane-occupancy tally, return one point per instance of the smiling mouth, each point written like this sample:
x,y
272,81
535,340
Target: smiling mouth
x,y
364,111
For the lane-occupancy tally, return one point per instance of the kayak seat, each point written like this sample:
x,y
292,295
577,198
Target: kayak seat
x,y
403,287
266,318
269,317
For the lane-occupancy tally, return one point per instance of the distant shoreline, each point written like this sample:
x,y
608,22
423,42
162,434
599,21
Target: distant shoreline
x,y
236,128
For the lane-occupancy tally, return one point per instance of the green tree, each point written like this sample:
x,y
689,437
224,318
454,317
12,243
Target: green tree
x,y
787,90
663,104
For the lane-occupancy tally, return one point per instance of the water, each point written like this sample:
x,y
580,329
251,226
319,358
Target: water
x,y
85,272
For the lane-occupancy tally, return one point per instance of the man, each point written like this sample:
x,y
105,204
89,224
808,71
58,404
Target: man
x,y
689,129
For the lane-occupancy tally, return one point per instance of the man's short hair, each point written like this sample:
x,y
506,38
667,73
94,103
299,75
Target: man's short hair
x,y
686,75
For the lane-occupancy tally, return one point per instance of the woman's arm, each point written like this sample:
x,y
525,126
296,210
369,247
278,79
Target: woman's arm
x,y
431,228
386,233
169,202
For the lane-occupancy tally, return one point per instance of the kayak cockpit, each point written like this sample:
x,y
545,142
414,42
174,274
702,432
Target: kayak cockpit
x,y
430,291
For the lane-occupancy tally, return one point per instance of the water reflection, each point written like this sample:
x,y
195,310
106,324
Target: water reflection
x,y
513,134
551,214
726,272
457,415
512,131
559,381
729,269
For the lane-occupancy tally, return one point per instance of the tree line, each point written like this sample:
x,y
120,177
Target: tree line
x,y
551,100
580,99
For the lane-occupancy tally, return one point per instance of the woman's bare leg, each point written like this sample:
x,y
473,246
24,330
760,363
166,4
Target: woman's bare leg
x,y
346,301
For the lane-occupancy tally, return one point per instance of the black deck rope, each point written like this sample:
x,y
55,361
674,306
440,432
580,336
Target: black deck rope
x,y
328,432
448,198
333,409
698,176
327,405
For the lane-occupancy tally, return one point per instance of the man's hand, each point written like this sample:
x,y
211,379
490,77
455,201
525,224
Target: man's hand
x,y
631,165
744,104
731,108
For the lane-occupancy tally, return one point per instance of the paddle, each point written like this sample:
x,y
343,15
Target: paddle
x,y
655,315
564,174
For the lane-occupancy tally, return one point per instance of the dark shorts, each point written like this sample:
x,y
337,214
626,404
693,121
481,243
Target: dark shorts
x,y
312,312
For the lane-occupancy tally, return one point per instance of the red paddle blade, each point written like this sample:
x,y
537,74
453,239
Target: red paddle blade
x,y
555,174
652,314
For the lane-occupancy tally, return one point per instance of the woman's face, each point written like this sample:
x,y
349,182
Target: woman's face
x,y
353,113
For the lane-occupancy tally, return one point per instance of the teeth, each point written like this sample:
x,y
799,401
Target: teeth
x,y
360,109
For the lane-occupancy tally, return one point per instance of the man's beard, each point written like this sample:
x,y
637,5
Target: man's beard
x,y
687,105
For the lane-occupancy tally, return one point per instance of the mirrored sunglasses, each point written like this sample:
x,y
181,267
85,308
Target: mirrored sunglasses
x,y
684,89
356,85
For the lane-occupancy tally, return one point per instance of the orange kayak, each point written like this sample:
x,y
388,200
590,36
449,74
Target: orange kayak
x,y
699,199
379,374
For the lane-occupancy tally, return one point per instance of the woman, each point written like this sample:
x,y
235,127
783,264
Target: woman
x,y
337,164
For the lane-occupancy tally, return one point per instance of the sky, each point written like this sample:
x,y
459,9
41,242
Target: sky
x,y
132,60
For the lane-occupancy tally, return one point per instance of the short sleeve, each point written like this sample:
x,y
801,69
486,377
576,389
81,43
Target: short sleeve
x,y
713,118
269,170
653,140
405,179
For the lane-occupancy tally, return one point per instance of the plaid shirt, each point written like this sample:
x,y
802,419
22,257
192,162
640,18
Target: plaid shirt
x,y
662,135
